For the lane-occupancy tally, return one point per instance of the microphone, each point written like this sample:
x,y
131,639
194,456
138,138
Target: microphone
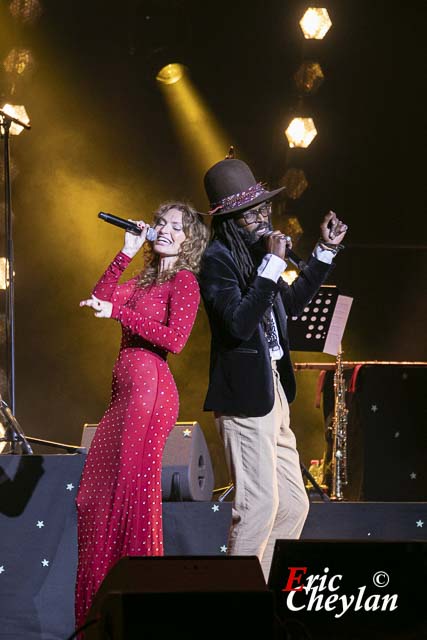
x,y
128,226
296,260
8,419
290,255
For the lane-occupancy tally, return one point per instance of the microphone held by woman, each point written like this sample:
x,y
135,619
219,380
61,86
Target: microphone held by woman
x,y
127,225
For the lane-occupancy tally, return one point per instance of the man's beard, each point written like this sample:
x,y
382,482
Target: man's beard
x,y
250,238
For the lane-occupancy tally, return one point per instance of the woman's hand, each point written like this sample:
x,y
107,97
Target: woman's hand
x,y
103,308
332,230
134,242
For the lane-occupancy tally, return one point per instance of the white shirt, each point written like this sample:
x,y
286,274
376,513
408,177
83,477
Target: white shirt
x,y
272,268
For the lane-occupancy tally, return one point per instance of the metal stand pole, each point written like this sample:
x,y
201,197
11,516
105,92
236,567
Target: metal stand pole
x,y
9,269
16,435
305,472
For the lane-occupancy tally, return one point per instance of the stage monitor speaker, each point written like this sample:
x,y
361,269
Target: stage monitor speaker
x,y
351,589
88,434
186,598
187,472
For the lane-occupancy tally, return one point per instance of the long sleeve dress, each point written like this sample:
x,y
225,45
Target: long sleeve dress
x,y
119,497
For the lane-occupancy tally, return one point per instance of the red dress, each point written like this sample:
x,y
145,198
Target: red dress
x,y
119,498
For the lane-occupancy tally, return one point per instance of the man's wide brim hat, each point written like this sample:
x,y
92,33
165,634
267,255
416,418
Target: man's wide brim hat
x,y
231,188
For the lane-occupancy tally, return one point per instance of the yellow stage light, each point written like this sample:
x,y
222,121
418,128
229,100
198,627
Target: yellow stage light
x,y
19,61
295,182
3,432
294,229
171,73
27,11
309,77
315,23
289,275
3,274
301,132
16,111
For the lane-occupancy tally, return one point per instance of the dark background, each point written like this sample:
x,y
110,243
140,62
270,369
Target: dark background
x,y
103,138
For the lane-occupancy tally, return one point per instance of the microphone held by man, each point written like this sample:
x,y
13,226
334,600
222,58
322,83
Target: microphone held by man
x,y
281,245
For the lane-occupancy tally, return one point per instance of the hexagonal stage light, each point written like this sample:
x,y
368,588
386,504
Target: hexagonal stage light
x,y
16,111
19,62
315,23
301,132
26,11
295,182
309,77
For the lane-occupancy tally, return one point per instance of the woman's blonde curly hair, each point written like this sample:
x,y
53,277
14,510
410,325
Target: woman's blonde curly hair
x,y
196,239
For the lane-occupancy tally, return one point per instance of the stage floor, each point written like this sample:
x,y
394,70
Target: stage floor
x,y
38,555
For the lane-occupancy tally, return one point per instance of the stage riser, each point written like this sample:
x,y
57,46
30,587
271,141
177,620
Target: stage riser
x,y
39,599
399,521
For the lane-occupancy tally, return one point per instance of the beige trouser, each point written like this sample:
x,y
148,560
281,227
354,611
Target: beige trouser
x,y
270,501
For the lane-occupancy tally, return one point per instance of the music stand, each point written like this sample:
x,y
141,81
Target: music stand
x,y
320,327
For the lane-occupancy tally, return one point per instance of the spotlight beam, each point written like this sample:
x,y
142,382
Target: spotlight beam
x,y
203,138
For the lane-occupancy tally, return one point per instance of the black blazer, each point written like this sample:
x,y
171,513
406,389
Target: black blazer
x,y
240,377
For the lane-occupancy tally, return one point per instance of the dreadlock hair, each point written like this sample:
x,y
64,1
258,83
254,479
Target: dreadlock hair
x,y
224,228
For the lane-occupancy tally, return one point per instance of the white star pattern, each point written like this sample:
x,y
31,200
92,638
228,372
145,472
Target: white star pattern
x,y
215,508
397,434
40,524
2,569
374,408
413,476
186,433
420,523
45,562
70,486
223,549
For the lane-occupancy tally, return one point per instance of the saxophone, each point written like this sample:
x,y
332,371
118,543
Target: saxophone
x,y
339,432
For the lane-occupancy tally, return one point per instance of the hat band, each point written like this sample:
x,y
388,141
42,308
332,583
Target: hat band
x,y
238,199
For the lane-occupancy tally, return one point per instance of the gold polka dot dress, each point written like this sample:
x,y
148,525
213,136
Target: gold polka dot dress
x,y
119,498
